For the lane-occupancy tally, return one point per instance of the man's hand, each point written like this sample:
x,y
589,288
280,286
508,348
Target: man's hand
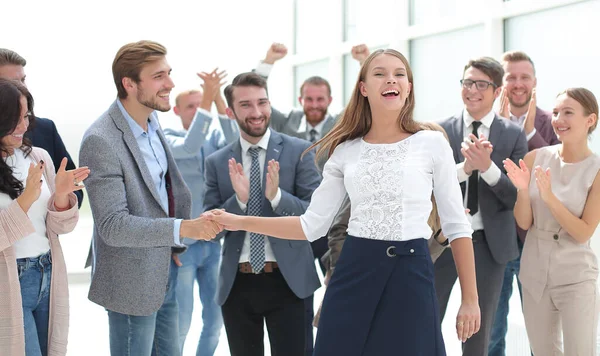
x,y
211,86
360,53
504,104
239,181
272,180
477,153
276,52
201,228
529,123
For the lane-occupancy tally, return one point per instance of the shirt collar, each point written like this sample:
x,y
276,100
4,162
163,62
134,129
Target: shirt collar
x,y
136,129
319,127
263,143
517,118
486,120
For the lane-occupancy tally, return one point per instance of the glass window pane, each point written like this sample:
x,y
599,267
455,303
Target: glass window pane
x,y
314,30
351,69
362,20
428,11
565,56
437,63
307,70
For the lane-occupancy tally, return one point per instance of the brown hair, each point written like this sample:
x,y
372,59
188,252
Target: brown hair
x,y
184,93
517,56
130,60
356,120
248,79
587,100
8,56
490,67
317,81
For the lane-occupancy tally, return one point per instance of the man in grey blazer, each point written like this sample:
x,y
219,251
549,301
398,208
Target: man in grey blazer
x,y
141,207
262,279
518,104
488,192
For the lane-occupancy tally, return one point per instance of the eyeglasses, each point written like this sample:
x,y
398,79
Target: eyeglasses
x,y
481,85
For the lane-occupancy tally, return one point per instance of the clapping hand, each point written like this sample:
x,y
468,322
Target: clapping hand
x,y
212,83
477,153
272,179
544,183
529,123
518,175
33,186
239,181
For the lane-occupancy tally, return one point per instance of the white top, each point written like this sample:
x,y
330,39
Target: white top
x,y
491,176
390,188
36,243
246,163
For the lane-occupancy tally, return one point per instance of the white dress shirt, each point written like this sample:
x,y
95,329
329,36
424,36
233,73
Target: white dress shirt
x,y
246,163
36,243
390,188
491,176
305,126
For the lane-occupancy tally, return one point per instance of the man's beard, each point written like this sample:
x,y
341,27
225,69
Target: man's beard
x,y
152,102
245,127
314,120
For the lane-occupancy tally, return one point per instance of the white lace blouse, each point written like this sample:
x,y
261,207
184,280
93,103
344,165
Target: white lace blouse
x,y
390,187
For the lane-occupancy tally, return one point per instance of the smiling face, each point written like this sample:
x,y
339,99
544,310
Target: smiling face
x,y
252,111
386,83
15,139
315,100
155,86
519,81
478,102
570,121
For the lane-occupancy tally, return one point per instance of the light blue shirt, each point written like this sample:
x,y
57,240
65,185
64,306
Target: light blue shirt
x,y
156,159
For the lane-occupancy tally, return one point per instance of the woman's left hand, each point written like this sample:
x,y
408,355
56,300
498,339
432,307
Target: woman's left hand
x,y
468,320
543,181
69,181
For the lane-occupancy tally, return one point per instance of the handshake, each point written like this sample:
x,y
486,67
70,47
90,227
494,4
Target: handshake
x,y
203,227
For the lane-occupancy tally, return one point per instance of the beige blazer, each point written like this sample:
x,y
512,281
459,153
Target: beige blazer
x,y
15,225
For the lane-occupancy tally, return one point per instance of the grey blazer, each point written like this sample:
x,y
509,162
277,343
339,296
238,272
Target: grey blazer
x,y
496,203
133,235
298,178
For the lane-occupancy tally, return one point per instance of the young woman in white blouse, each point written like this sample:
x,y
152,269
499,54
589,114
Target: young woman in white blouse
x,y
35,206
381,299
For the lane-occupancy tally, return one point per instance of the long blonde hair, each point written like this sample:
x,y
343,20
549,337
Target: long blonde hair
x,y
355,121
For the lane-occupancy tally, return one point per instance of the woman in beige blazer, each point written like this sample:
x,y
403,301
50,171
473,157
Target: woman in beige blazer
x,y
35,206
559,203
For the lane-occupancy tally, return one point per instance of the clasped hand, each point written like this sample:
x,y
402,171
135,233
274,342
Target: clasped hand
x,y
477,153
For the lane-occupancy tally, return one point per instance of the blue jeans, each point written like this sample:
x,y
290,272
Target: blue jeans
x,y
34,276
497,346
156,334
201,263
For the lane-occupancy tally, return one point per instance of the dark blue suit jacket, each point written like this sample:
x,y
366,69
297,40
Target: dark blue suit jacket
x,y
44,134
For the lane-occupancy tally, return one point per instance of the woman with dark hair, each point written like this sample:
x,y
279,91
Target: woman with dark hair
x,y
558,204
35,206
381,299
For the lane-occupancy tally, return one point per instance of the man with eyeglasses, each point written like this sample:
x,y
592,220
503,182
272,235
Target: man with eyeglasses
x,y
481,140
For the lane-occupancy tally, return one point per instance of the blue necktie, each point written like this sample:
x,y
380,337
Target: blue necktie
x,y
257,241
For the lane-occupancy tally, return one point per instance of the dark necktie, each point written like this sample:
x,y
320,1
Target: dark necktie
x,y
473,198
313,135
257,241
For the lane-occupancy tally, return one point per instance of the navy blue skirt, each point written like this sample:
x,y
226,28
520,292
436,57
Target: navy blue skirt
x,y
381,301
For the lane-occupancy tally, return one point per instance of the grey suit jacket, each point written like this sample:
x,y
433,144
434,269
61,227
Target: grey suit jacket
x,y
291,124
298,178
133,235
496,203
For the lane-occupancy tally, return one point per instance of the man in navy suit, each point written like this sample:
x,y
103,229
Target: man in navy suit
x,y
261,278
42,132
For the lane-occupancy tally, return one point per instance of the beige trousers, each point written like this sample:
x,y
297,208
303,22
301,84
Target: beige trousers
x,y
571,310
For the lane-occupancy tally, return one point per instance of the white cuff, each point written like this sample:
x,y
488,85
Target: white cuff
x,y
242,205
276,200
263,69
460,172
492,175
531,134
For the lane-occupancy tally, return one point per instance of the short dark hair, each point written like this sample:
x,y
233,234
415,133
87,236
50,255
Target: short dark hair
x,y
316,80
517,56
490,67
8,56
248,79
131,58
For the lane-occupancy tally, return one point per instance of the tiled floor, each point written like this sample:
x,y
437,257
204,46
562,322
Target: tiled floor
x,y
89,326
